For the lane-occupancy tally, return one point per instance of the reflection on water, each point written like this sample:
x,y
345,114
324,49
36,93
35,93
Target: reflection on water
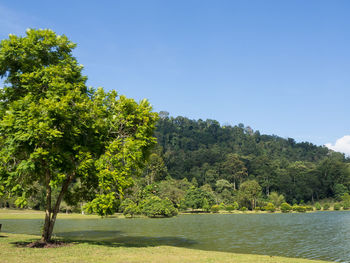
x,y
321,235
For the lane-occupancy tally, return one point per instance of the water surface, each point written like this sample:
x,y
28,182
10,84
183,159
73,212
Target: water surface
x,y
320,235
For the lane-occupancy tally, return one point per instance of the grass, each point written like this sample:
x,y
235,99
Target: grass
x,y
13,249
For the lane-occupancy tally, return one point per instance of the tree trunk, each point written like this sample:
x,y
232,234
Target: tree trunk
x,y
45,236
51,219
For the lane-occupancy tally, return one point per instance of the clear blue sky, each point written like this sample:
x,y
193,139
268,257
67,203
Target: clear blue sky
x,y
281,67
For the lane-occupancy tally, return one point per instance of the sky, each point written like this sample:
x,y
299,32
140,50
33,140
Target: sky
x,y
280,67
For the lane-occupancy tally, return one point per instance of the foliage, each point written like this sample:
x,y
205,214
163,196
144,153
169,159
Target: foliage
x,y
285,208
248,192
270,207
125,203
339,191
156,207
230,208
337,206
215,208
222,206
346,201
299,208
205,205
194,198
326,206
318,206
243,209
131,210
210,152
309,208
276,199
102,205
54,131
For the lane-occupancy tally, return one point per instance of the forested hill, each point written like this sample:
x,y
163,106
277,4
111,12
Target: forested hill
x,y
205,152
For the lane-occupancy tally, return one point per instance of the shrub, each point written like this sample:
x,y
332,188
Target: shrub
x,y
244,209
337,206
346,206
326,206
318,206
235,205
285,207
215,208
257,208
156,207
222,206
132,210
299,208
270,207
230,208
309,208
125,203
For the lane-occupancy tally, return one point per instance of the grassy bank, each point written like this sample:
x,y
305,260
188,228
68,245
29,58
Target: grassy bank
x,y
12,249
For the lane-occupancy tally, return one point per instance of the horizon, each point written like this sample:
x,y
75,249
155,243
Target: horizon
x,y
281,68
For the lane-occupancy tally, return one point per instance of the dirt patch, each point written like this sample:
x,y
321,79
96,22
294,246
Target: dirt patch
x,y
40,244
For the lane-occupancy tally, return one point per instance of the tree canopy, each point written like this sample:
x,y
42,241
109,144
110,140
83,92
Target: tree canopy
x,y
55,131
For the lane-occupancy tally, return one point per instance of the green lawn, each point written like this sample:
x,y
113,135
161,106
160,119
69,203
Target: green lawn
x,y
13,249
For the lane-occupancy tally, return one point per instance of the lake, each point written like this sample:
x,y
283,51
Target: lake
x,y
319,235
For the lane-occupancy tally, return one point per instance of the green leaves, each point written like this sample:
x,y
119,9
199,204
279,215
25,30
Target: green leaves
x,y
54,129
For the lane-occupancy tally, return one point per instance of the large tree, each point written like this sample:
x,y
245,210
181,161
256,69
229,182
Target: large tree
x,y
55,131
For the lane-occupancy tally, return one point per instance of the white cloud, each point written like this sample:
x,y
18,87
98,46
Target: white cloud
x,y
341,145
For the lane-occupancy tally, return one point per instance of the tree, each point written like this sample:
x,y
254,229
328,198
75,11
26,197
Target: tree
x,y
235,169
156,169
195,198
276,199
56,132
249,191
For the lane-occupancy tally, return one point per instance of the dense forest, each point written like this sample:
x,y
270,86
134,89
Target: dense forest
x,y
201,164
221,158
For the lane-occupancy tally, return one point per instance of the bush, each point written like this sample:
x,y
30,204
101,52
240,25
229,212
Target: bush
x,y
257,208
222,206
285,207
337,206
318,206
299,208
230,208
156,207
270,207
309,208
126,202
243,209
346,206
326,206
132,210
215,208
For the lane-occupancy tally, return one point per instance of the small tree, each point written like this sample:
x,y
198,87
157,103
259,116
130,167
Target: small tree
x,y
55,132
276,199
248,193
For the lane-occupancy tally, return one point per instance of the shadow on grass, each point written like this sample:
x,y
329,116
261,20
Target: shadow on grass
x,y
114,239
